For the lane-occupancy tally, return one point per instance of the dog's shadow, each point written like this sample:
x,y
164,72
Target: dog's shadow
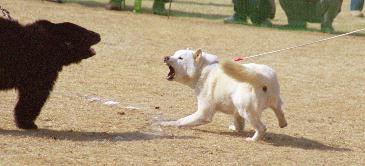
x,y
284,140
90,136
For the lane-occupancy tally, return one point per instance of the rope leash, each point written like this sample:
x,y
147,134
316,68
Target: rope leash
x,y
298,46
6,13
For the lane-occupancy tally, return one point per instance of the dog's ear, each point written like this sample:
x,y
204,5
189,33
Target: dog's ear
x,y
197,55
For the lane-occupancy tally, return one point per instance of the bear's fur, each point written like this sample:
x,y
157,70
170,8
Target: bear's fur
x,y
31,57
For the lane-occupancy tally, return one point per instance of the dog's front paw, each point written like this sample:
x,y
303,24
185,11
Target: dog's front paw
x,y
283,124
233,128
169,123
251,139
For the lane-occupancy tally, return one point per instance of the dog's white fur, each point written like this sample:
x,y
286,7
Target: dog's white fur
x,y
242,90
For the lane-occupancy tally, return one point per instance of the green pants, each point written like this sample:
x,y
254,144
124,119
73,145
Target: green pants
x,y
318,11
120,1
116,1
257,10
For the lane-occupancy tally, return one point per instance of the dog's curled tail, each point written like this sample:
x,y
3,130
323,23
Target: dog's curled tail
x,y
242,73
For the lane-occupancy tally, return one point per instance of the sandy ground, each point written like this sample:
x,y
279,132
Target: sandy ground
x,y
322,87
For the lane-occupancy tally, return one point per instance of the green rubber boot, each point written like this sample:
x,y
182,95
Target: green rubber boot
x,y
327,29
58,1
240,13
159,7
114,5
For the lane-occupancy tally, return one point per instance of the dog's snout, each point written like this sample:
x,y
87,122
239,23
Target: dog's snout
x,y
166,58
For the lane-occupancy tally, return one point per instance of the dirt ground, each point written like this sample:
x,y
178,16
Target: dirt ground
x,y
322,87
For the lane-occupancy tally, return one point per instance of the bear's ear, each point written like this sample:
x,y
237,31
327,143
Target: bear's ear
x,y
43,27
197,55
44,24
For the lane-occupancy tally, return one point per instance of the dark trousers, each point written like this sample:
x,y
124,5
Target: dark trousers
x,y
257,10
320,11
357,4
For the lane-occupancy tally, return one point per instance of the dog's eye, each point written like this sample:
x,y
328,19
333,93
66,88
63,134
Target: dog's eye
x,y
180,58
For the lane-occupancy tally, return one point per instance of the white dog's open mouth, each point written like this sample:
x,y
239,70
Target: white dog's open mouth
x,y
171,74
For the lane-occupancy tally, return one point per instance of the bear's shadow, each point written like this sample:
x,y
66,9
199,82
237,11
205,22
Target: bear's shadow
x,y
90,136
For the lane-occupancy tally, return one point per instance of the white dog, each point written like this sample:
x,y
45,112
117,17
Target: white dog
x,y
242,90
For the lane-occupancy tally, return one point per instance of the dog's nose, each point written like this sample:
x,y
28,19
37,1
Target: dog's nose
x,y
166,58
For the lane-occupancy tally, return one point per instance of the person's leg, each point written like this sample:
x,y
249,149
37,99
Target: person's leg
x,y
296,12
273,9
240,13
260,11
356,7
114,5
159,7
59,1
327,11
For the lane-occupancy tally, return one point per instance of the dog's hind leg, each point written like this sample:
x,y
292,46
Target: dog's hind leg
x,y
254,118
239,122
30,103
279,113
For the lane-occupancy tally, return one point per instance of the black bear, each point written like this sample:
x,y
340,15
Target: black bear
x,y
31,57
